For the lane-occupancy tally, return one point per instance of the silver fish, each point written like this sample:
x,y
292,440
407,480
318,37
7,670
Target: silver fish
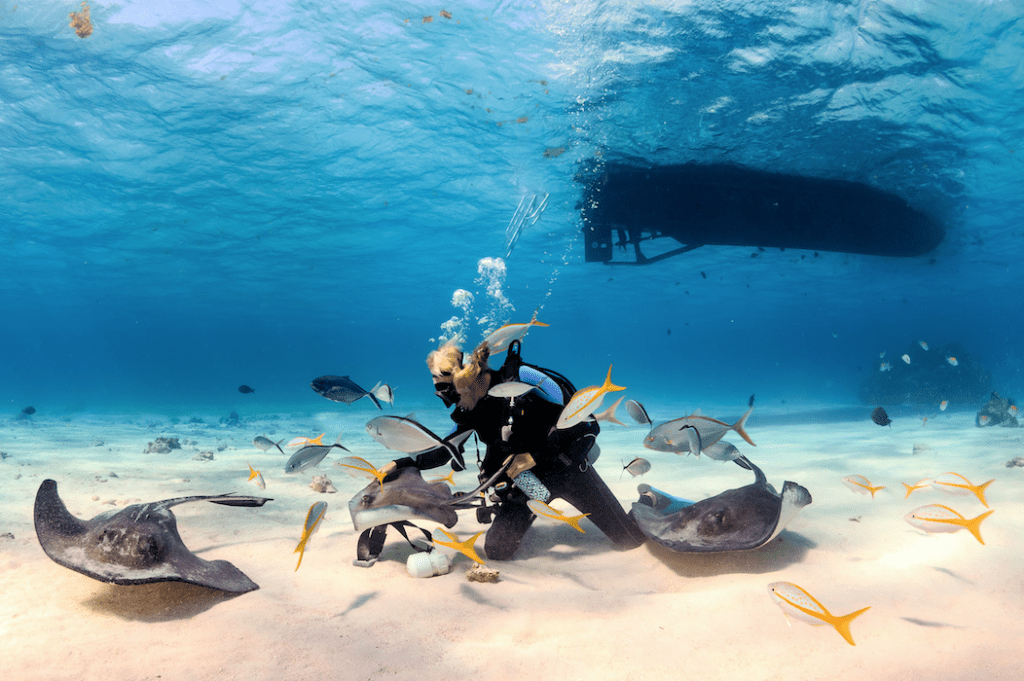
x,y
510,389
309,456
670,436
637,411
402,434
637,467
383,392
721,451
265,443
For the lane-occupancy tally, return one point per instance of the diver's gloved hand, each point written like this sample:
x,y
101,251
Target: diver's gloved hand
x,y
391,468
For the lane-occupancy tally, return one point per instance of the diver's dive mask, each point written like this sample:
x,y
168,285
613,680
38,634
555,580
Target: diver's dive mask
x,y
447,392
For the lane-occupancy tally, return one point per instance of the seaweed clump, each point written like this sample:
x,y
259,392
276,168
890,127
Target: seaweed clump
x,y
81,22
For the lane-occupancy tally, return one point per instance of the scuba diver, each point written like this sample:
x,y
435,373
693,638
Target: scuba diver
x,y
538,460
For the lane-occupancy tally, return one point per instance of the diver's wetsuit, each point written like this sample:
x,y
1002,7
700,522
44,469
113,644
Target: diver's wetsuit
x,y
561,465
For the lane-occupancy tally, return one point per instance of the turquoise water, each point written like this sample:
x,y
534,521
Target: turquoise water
x,y
206,194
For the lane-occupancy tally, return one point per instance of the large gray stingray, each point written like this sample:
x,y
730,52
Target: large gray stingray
x,y
139,544
735,520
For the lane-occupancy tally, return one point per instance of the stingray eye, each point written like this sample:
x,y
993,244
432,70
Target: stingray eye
x,y
367,499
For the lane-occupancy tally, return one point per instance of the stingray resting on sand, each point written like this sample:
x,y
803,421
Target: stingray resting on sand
x,y
139,544
735,520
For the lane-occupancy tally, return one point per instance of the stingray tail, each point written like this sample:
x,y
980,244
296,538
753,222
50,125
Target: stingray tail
x,y
842,624
738,427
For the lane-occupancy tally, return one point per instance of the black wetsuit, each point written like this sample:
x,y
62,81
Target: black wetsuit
x,y
562,465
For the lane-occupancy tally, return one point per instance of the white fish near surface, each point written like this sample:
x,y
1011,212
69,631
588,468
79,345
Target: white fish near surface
x,y
584,402
923,344
671,436
501,338
906,358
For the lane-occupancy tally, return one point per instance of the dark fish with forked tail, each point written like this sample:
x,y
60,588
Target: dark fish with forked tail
x,y
341,389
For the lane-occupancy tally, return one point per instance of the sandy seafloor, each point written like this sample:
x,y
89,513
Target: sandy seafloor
x,y
568,607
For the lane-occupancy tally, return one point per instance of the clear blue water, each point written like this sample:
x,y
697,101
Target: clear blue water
x,y
205,194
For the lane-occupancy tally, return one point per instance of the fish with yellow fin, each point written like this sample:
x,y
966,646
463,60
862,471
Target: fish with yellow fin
x,y
939,518
362,467
303,441
501,338
956,484
920,484
313,518
796,602
585,401
257,476
450,479
543,510
861,485
464,546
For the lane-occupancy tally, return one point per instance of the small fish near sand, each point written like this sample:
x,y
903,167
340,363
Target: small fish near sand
x,y
880,417
313,518
584,402
796,602
861,485
341,389
257,476
935,518
920,484
466,547
301,440
309,456
636,467
956,484
542,510
265,443
245,390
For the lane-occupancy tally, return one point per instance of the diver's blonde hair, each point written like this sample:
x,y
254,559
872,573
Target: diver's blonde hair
x,y
471,379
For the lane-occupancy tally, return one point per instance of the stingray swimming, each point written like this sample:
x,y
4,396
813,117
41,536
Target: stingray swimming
x,y
139,544
735,520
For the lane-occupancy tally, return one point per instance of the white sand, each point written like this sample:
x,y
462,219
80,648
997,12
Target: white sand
x,y
568,607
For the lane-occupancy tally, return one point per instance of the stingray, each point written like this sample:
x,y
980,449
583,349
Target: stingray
x,y
735,520
406,495
139,544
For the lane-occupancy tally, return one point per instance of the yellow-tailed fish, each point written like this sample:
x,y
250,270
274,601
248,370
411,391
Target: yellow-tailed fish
x,y
313,518
501,338
861,485
585,401
255,474
924,345
796,602
943,404
920,484
952,361
464,546
954,483
939,518
543,510
362,467
447,478
300,441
